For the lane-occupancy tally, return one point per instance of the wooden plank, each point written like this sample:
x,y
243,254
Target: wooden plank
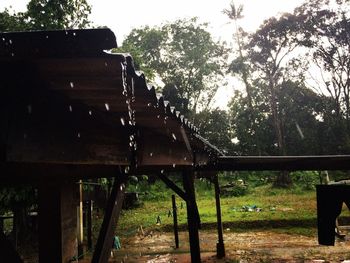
x,y
172,186
192,216
18,172
110,221
157,149
89,223
57,221
57,43
220,247
279,163
176,230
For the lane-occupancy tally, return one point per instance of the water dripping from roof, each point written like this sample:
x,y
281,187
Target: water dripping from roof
x,y
107,106
151,154
71,84
174,136
29,108
90,112
122,121
174,165
127,169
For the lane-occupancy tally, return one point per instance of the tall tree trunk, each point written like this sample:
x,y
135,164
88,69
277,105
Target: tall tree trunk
x,y
283,178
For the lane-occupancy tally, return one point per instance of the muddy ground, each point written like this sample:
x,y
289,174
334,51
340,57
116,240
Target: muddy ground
x,y
252,246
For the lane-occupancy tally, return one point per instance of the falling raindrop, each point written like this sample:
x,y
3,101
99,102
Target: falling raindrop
x,y
70,108
47,37
71,84
10,41
151,154
29,108
90,112
74,34
12,54
162,171
106,64
174,137
174,165
107,106
158,116
149,104
185,158
127,169
78,135
122,121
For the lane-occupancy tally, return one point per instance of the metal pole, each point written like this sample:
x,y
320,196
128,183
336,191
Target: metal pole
x,y
220,247
176,230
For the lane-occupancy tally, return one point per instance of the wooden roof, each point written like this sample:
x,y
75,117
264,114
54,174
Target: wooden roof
x,y
65,100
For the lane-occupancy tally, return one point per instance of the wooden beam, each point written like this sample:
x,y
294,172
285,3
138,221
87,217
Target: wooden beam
x,y
57,221
220,247
192,215
279,163
172,186
110,220
89,223
20,172
176,230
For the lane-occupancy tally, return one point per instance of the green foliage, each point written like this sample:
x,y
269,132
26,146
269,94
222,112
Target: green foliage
x,y
214,125
182,54
47,15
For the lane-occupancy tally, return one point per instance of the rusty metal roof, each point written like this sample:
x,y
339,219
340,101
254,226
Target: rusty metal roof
x,y
66,100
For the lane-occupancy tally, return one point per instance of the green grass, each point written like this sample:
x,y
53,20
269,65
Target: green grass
x,y
292,210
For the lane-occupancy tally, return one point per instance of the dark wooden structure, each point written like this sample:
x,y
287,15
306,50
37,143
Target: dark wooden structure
x,y
70,110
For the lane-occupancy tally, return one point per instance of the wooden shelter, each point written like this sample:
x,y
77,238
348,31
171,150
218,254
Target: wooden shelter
x,y
70,110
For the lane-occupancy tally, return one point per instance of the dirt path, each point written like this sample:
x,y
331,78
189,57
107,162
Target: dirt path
x,y
261,246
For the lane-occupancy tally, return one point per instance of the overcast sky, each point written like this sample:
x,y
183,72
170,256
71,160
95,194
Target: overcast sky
x,y
122,16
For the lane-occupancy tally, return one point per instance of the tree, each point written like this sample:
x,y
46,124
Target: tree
x,y
182,54
47,15
326,27
215,127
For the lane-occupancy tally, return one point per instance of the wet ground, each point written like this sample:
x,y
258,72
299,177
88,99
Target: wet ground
x,y
254,246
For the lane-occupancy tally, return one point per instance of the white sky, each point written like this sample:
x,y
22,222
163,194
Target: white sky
x,y
122,16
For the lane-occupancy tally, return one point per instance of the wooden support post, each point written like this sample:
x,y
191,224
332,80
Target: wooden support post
x,y
1,224
192,215
57,221
176,230
110,220
89,224
220,247
7,252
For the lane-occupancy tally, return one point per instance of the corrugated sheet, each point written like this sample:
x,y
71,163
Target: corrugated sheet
x,y
67,93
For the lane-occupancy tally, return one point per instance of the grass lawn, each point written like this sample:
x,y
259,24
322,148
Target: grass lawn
x,y
291,210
